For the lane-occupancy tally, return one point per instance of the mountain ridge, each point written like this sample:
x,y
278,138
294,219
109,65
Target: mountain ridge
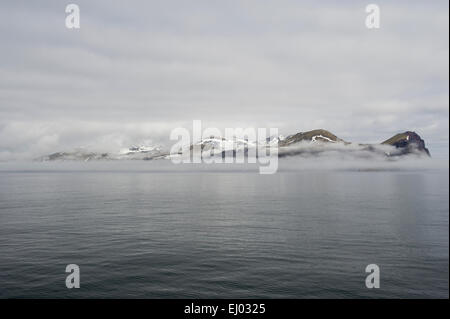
x,y
309,142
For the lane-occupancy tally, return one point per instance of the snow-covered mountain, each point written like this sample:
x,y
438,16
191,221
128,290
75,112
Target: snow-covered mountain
x,y
140,152
140,149
143,152
310,143
317,142
319,135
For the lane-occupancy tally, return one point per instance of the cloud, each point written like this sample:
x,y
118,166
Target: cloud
x,y
146,64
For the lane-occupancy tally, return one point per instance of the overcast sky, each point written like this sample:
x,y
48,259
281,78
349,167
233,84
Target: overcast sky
x,y
137,69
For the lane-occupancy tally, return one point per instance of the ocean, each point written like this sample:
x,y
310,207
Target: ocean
x,y
147,230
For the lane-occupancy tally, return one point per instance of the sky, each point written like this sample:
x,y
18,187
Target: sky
x,y
135,70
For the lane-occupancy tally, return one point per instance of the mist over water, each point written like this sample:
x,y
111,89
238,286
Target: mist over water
x,y
328,161
135,73
152,229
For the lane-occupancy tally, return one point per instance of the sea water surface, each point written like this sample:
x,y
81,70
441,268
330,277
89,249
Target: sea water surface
x,y
150,231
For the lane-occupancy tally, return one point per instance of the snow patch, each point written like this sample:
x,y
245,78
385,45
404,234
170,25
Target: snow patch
x,y
314,138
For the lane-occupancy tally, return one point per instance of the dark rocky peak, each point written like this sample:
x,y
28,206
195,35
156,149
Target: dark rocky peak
x,y
407,142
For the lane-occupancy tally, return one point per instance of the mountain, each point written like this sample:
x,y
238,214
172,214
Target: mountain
x,y
407,142
77,155
319,135
222,144
319,141
141,152
310,143
141,149
214,146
